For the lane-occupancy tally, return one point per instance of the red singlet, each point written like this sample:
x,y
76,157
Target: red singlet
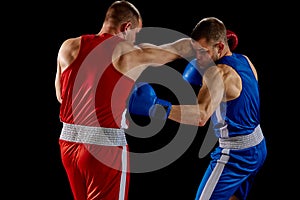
x,y
93,146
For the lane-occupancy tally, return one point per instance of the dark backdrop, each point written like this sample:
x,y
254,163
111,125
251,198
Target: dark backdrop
x,y
39,173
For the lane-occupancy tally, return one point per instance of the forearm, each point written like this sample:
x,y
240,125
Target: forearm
x,y
58,93
149,54
187,114
58,87
182,47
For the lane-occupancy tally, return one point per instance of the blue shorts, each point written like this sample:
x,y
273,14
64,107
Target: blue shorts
x,y
231,172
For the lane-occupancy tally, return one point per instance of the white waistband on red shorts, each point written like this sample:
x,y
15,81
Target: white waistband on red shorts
x,y
242,141
93,135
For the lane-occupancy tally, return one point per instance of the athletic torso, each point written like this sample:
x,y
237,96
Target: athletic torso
x,y
94,93
241,115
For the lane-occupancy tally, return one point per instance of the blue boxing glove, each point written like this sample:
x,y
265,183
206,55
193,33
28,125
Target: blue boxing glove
x,y
192,73
143,101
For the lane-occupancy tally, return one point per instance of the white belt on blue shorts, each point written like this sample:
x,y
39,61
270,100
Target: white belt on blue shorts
x,y
242,141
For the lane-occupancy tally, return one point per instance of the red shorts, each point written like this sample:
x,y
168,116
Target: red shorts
x,y
96,172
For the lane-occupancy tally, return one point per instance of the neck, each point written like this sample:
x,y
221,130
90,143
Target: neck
x,y
227,52
108,28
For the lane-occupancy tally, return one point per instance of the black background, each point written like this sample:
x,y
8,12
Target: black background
x,y
43,26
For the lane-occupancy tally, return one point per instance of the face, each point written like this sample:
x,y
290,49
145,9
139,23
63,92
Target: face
x,y
206,53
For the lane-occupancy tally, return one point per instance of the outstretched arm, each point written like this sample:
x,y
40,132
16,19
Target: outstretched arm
x,y
171,51
132,60
143,101
209,97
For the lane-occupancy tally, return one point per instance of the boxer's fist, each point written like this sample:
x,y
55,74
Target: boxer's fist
x,y
143,101
192,74
232,39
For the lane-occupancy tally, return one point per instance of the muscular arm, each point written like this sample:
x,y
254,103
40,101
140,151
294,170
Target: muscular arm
x,y
66,55
179,48
132,60
219,84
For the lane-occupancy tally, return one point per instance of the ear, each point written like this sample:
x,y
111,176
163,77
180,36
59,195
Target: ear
x,y
221,47
125,26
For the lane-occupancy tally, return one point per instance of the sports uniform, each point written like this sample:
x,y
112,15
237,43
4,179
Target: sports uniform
x,y
93,145
242,147
236,121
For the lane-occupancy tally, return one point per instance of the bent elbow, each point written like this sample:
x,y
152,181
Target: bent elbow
x,y
202,123
203,120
